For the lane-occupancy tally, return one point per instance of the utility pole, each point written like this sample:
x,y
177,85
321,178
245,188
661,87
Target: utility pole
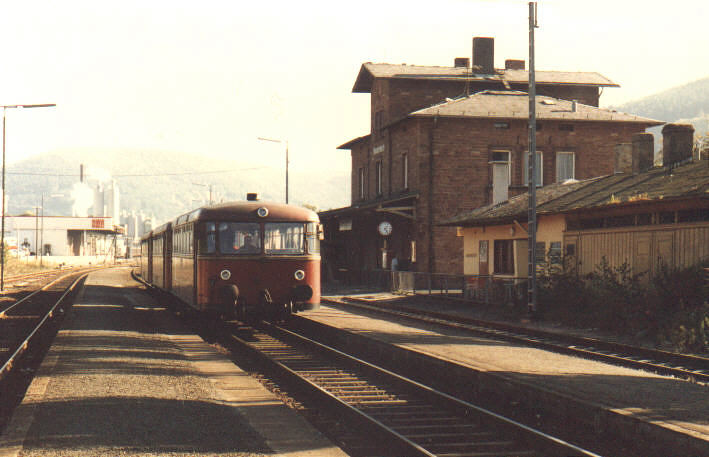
x,y
287,162
2,225
532,171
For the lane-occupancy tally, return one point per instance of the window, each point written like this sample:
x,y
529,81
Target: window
x,y
504,257
311,238
405,170
361,183
379,177
565,166
667,217
500,175
539,168
555,252
208,239
378,119
239,238
285,238
540,254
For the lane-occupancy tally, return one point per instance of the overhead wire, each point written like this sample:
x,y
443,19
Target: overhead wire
x,y
137,175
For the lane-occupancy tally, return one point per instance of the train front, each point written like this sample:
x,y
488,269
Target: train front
x,y
258,259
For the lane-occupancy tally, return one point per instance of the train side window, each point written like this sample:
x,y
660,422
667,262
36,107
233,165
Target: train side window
x,y
208,239
312,238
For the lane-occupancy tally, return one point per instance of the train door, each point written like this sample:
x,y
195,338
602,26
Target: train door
x,y
150,261
167,260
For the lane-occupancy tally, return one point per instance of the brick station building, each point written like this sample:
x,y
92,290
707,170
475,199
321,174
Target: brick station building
x,y
445,140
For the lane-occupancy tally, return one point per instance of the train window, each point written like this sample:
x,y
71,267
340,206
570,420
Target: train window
x,y
208,239
239,238
285,238
313,240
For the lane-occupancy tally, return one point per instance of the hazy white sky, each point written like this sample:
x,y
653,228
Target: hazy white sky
x,y
210,77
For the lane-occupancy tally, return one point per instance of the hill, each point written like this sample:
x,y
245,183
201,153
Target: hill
x,y
684,104
161,183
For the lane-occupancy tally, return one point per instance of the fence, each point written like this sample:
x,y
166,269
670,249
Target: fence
x,y
479,288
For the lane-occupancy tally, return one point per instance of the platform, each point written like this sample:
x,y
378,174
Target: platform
x,y
632,403
124,377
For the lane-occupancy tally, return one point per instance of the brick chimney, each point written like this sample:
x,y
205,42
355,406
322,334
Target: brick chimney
x,y
461,62
635,157
677,143
513,64
623,158
484,55
643,152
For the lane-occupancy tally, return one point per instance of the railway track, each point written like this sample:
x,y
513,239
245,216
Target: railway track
x,y
690,367
393,414
22,322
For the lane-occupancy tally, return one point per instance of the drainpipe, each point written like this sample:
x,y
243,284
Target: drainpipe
x,y
431,249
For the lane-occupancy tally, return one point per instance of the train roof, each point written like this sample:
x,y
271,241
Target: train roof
x,y
247,211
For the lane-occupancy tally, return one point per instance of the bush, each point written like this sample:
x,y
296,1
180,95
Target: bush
x,y
670,309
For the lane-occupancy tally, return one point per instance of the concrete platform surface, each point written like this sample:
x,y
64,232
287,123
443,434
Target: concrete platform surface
x,y
124,378
648,401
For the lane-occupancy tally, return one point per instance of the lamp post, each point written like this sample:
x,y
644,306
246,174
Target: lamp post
x,y
2,229
209,186
286,142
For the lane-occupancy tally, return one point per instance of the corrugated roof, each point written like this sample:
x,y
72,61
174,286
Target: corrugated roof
x,y
369,71
516,207
515,105
684,182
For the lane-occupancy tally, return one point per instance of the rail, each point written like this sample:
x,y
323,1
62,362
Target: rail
x,y
412,418
24,345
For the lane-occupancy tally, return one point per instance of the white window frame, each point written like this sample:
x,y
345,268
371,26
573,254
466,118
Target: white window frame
x,y
507,162
573,165
540,168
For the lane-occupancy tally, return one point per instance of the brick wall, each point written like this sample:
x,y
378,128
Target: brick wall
x,y
462,179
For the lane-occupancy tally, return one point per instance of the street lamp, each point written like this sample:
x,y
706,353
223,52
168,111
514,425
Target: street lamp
x,y
286,142
2,229
210,190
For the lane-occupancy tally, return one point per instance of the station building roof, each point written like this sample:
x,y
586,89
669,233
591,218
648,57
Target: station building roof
x,y
370,71
515,105
661,184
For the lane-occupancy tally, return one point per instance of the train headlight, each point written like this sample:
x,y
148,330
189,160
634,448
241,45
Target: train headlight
x,y
299,275
262,212
225,274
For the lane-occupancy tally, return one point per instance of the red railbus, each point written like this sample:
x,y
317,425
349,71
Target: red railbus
x,y
239,258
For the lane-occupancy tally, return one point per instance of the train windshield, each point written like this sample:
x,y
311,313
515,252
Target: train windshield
x,y
284,238
239,238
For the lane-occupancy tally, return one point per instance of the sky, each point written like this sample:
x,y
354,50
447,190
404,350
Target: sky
x,y
210,77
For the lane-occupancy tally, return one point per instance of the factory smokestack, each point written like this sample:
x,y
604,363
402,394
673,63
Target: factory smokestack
x,y
81,172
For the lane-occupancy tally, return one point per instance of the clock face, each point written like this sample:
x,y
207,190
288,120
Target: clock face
x,y
385,228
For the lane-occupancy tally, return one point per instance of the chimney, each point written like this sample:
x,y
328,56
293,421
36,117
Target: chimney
x,y
484,55
677,143
643,152
512,64
461,62
252,197
623,158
